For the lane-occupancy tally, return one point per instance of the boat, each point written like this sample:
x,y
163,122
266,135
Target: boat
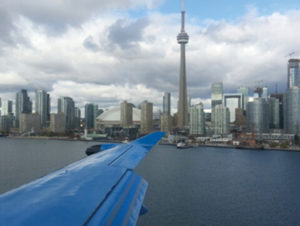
x,y
182,144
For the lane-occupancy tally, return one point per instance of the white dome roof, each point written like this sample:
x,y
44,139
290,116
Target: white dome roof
x,y
114,114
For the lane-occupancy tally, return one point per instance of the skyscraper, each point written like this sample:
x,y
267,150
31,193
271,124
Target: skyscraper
x,y
216,94
220,119
197,120
23,105
233,101
182,39
126,114
258,115
42,106
167,103
291,107
245,92
89,116
77,118
66,105
146,117
293,73
6,107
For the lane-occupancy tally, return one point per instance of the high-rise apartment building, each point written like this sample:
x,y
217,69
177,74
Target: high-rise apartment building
x,y
146,117
58,123
166,122
258,115
42,106
7,106
216,94
220,119
274,105
89,116
197,120
167,103
126,114
66,105
30,123
6,123
23,105
182,39
293,73
279,97
292,110
77,119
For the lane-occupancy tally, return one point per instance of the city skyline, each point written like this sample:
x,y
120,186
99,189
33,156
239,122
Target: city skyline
x,y
105,57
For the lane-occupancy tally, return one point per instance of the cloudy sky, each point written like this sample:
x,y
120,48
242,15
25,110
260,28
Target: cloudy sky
x,y
105,52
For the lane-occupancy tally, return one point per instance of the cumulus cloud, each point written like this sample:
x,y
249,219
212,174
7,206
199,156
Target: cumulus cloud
x,y
109,58
104,95
126,34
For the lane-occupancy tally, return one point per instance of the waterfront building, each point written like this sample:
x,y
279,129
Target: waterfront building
x,y
89,116
112,118
293,73
77,119
197,120
6,123
167,103
66,105
166,123
216,94
58,123
30,123
279,97
220,119
292,110
6,108
274,113
258,115
233,101
182,39
23,105
146,117
126,114
240,118
245,91
42,106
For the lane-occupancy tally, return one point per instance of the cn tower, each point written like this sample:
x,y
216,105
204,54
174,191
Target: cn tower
x,y
182,39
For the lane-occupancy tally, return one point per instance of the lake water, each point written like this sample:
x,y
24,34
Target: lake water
x,y
197,186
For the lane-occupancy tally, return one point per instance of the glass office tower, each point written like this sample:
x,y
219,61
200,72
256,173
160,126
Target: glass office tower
x,y
216,94
291,103
293,73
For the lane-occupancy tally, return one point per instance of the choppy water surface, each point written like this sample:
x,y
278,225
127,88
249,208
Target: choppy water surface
x,y
198,186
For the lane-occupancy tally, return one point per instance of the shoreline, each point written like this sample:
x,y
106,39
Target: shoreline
x,y
295,149
234,147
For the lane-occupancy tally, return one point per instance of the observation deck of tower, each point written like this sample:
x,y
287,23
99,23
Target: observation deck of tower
x,y
182,39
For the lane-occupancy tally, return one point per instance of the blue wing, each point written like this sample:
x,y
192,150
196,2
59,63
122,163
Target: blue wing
x,y
101,189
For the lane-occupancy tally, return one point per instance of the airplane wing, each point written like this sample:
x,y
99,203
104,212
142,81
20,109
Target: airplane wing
x,y
101,189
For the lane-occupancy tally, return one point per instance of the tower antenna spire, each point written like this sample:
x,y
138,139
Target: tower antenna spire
x,y
182,39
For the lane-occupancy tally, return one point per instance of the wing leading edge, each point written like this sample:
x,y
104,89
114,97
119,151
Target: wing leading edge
x,y
101,189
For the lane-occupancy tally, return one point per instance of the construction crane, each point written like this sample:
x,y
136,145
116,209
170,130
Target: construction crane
x,y
290,54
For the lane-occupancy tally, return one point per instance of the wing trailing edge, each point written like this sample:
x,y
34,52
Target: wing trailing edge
x,y
101,189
